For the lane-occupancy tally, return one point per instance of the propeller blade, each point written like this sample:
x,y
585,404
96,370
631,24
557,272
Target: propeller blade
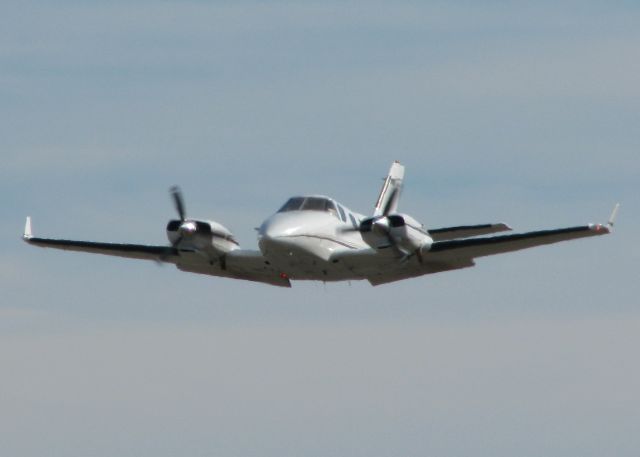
x,y
178,202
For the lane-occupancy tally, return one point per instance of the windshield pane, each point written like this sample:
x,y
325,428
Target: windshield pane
x,y
319,204
331,208
315,204
293,204
309,204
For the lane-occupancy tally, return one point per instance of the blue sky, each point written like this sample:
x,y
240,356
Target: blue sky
x,y
514,112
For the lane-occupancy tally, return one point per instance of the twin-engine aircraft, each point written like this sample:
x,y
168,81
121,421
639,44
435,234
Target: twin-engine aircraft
x,y
316,238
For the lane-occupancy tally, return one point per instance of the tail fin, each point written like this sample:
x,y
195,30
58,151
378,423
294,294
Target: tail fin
x,y
390,194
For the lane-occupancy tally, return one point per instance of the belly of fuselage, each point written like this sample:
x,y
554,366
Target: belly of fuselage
x,y
309,259
304,244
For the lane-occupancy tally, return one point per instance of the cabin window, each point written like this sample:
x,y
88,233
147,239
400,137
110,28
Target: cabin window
x,y
342,215
353,220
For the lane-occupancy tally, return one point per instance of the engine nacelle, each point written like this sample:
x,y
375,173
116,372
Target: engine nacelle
x,y
426,246
408,233
208,236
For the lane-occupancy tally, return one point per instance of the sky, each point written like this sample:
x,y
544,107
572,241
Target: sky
x,y
518,112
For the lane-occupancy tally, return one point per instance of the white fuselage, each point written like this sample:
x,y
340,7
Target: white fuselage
x,y
305,244
301,244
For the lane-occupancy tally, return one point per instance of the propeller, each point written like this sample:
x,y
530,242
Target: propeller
x,y
200,237
178,202
182,226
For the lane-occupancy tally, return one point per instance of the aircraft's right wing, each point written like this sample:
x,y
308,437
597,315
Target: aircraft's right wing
x,y
238,264
131,251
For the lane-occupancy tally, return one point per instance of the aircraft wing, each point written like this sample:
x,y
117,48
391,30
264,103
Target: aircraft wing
x,y
238,264
480,247
131,251
385,267
466,231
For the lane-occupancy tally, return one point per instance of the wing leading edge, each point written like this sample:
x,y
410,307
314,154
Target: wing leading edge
x,y
131,251
466,231
480,247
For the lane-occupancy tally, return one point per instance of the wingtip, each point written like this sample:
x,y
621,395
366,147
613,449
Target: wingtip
x,y
600,229
604,229
28,233
612,218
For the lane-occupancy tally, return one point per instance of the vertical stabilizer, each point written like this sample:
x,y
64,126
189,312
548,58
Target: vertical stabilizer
x,y
390,194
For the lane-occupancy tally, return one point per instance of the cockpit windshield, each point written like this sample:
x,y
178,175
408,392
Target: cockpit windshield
x,y
293,204
309,204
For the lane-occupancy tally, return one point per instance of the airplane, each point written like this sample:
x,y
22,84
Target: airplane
x,y
314,237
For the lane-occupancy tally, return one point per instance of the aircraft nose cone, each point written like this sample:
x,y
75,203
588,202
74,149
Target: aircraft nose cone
x,y
271,231
278,227
275,233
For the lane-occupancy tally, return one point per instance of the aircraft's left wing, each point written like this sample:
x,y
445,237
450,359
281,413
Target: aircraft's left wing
x,y
480,247
456,254
460,253
467,231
